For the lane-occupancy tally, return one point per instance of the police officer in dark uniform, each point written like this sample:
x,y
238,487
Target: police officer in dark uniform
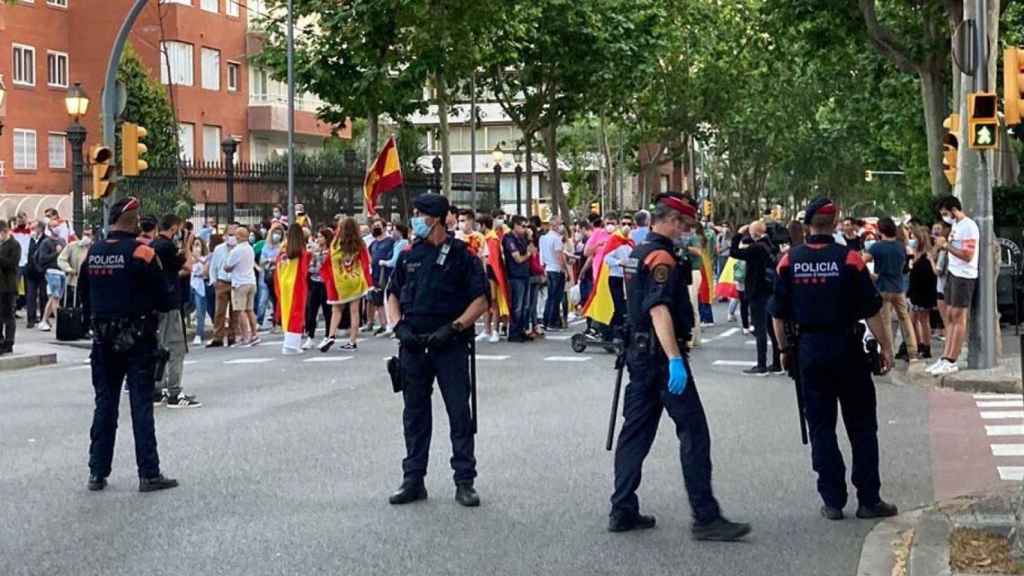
x,y
124,289
825,289
660,321
438,290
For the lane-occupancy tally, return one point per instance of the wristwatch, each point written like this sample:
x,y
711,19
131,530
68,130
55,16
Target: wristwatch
x,y
457,326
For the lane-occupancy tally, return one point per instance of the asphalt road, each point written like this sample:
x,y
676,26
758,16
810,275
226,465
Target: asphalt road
x,y
287,467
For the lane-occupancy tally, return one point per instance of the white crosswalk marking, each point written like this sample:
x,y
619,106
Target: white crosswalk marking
x,y
1008,449
1005,430
86,367
491,357
558,337
994,396
320,359
1001,404
191,362
747,363
1002,415
726,334
567,359
751,342
1011,472
248,361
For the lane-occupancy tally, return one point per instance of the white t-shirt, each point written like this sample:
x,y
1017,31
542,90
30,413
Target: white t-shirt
x,y
965,235
550,247
242,260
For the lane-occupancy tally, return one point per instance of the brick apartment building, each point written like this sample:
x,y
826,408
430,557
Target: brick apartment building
x,y
48,45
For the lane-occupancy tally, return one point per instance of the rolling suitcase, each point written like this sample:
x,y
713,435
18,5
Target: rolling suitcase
x,y
70,325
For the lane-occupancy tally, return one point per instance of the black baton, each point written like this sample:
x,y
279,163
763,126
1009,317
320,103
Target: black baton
x,y
472,377
620,366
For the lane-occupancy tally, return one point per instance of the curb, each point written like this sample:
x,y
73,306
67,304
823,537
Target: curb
x,y
22,361
997,381
878,555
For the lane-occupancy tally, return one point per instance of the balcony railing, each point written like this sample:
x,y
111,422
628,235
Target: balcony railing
x,y
301,104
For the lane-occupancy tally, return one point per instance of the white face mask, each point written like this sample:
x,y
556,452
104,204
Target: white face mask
x,y
948,219
232,241
85,241
610,228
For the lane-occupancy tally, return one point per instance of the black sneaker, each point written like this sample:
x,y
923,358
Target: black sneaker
x,y
326,343
881,510
351,346
831,513
97,483
720,530
756,371
183,401
408,492
156,483
776,370
466,495
379,331
158,397
624,522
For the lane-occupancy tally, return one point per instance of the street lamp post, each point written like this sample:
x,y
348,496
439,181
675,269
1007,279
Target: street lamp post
x,y
77,104
497,155
519,183
229,146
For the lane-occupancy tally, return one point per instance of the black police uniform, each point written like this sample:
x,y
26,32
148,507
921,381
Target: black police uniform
x,y
124,287
434,286
825,288
660,277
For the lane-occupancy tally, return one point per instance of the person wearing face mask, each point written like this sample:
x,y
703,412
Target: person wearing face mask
x,y
10,256
660,379
961,250
35,277
437,293
199,266
380,249
922,292
124,291
268,264
70,261
224,322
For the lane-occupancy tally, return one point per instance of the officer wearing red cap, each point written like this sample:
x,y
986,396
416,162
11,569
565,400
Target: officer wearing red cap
x,y
123,289
826,290
660,321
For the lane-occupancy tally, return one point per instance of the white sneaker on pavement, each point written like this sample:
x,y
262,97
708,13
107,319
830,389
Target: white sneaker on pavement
x,y
44,327
946,369
197,341
307,344
494,338
936,365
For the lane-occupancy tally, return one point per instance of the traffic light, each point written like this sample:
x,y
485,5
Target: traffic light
x,y
869,175
709,209
982,123
1013,85
102,171
595,207
950,146
132,149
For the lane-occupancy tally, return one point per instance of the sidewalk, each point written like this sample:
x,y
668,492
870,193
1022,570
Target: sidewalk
x,y
963,536
33,348
1003,379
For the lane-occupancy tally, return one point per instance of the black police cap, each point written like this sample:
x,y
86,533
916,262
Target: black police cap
x,y
434,205
819,205
126,204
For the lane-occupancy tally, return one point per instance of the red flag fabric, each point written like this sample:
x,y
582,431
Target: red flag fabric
x,y
384,175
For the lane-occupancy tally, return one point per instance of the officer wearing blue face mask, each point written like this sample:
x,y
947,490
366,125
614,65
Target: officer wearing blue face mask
x,y
438,291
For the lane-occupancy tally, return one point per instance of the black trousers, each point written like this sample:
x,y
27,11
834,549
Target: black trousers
x,y
8,301
646,397
109,371
35,298
451,368
316,302
835,376
763,331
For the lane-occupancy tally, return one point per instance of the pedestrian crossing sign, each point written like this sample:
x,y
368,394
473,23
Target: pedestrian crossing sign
x,y
983,121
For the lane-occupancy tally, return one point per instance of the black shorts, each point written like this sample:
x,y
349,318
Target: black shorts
x,y
959,291
376,297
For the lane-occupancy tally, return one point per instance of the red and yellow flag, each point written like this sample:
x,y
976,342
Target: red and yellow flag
x,y
600,305
384,175
291,284
496,261
346,276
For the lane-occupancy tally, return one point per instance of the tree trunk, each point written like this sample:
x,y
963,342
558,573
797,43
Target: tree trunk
x,y
608,169
528,142
933,97
559,203
372,138
441,98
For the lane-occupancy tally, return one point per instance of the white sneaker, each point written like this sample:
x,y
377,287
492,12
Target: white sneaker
x,y
307,344
494,338
44,327
291,351
946,369
197,341
747,331
938,364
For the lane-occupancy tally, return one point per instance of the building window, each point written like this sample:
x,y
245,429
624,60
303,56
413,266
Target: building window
x,y
23,70
211,68
24,149
61,3
57,69
57,150
231,8
208,5
211,144
234,69
176,63
186,141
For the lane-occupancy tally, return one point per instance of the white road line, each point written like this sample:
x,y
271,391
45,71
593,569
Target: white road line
x,y
319,359
1002,415
1000,403
734,363
751,342
248,361
995,396
86,367
726,334
191,362
1008,449
1005,430
1011,472
705,341
567,359
577,322
491,357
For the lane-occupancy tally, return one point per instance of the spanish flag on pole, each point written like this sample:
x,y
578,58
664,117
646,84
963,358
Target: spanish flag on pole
x,y
600,307
384,175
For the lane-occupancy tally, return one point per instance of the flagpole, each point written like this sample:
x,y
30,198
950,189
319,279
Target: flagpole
x,y
291,113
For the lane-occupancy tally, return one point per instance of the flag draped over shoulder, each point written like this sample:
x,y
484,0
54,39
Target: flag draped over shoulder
x,y
707,280
290,285
384,175
726,286
348,276
600,306
496,262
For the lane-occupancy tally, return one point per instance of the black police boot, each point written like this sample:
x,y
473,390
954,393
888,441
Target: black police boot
x,y
96,483
720,530
831,513
155,483
880,510
409,491
466,495
624,522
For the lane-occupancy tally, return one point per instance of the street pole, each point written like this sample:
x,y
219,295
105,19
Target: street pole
x,y
497,185
472,140
229,146
291,113
986,350
76,137
519,188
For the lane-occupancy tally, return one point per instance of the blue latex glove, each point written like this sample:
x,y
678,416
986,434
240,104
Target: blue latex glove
x,y
677,376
